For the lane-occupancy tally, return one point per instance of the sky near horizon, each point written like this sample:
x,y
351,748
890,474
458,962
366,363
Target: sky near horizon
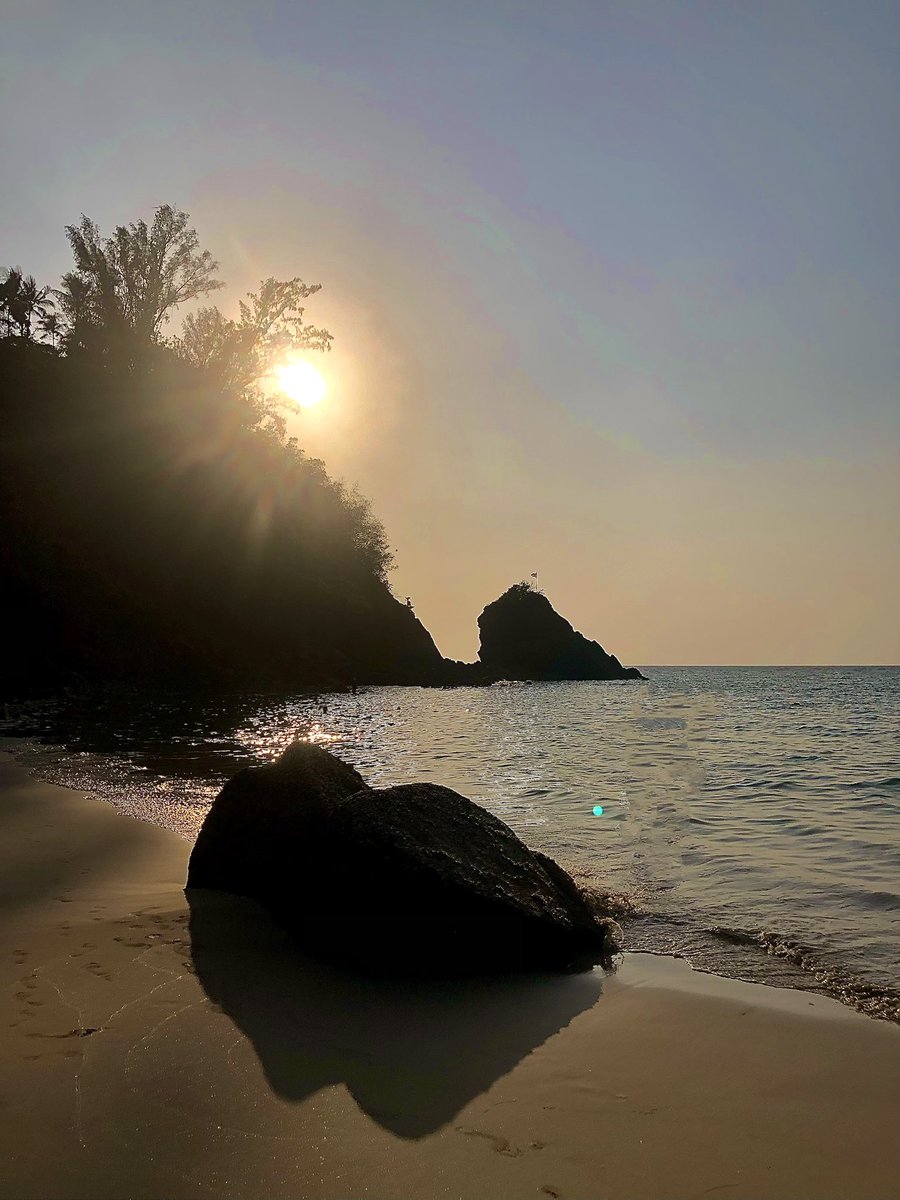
x,y
614,287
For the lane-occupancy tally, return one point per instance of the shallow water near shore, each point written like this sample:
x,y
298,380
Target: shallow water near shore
x,y
745,818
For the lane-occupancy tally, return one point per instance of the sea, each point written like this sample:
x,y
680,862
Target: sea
x,y
746,819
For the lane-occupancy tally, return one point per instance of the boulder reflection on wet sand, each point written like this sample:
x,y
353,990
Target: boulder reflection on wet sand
x,y
411,1053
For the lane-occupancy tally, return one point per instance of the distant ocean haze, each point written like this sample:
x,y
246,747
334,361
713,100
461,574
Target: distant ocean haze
x,y
746,818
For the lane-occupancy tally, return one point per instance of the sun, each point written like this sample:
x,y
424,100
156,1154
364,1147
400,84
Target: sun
x,y
302,383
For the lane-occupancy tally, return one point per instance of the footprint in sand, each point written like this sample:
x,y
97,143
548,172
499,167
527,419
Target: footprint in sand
x,y
502,1145
80,1032
51,1054
97,969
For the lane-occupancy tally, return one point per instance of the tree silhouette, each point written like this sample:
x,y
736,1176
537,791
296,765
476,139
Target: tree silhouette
x,y
129,283
10,282
51,325
240,354
76,309
22,301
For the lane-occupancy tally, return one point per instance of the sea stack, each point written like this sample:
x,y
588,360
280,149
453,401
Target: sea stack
x,y
523,637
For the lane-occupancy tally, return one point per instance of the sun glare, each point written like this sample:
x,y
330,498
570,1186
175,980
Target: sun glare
x,y
302,383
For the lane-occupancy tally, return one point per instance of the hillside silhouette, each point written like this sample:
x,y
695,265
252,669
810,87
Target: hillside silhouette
x,y
158,523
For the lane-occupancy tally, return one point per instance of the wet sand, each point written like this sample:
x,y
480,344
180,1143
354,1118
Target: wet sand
x,y
162,1046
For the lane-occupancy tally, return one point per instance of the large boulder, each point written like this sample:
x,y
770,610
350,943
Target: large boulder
x,y
409,880
267,822
523,637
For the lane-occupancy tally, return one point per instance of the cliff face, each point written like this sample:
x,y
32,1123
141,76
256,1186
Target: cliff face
x,y
523,637
376,639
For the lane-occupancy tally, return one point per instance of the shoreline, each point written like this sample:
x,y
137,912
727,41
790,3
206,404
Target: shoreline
x,y
776,959
163,1045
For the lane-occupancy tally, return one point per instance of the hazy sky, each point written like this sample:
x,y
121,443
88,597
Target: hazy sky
x,y
614,287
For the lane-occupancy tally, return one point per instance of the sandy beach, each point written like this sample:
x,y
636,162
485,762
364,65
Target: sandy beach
x,y
157,1045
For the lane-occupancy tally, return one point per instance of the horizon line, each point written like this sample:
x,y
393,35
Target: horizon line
x,y
780,666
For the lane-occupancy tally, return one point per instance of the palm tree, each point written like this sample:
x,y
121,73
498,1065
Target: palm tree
x,y
77,307
36,303
50,325
23,301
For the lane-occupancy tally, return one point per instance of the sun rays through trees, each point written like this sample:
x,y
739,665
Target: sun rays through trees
x,y
159,518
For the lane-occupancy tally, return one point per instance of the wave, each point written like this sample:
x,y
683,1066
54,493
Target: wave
x,y
877,1001
871,898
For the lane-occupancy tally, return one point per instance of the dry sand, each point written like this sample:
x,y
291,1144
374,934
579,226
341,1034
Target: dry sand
x,y
156,1049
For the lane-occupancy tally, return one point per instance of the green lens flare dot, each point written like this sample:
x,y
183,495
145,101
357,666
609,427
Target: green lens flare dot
x,y
598,810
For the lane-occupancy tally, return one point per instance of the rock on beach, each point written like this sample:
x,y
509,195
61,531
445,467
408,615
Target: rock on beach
x,y
408,880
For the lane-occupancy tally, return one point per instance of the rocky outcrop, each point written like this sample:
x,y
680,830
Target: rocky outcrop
x,y
523,637
409,880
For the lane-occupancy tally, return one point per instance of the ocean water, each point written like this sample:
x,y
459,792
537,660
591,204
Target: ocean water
x,y
749,816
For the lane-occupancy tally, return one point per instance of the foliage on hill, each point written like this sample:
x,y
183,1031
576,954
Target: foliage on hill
x,y
159,524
